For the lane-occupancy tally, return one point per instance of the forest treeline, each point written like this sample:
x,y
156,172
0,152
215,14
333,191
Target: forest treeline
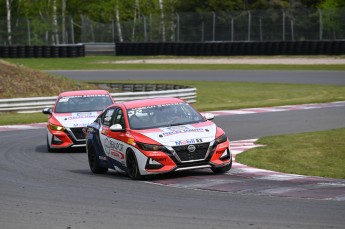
x,y
107,10
69,21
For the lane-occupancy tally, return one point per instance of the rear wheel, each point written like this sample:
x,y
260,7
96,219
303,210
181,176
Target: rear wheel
x,y
132,167
94,162
223,169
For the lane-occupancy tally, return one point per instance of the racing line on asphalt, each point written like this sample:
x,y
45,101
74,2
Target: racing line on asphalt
x,y
245,179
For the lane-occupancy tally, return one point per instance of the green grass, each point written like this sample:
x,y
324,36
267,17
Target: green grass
x,y
235,95
10,118
313,154
231,95
104,62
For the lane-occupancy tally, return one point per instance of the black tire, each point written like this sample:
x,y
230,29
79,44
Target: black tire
x,y
223,169
94,162
132,167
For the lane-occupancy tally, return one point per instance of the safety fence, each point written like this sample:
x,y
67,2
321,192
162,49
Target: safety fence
x,y
232,48
36,104
234,26
39,51
296,24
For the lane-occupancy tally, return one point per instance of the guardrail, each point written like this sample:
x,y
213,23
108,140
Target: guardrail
x,y
36,104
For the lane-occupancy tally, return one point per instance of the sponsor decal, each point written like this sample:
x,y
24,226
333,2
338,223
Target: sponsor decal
x,y
82,116
153,106
131,141
113,148
188,141
64,99
117,154
104,131
80,124
180,130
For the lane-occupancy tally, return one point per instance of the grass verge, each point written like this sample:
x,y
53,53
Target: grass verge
x,y
11,118
230,95
236,95
313,154
105,62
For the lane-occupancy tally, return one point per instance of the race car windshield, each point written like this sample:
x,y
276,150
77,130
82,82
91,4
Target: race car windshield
x,y
84,103
163,115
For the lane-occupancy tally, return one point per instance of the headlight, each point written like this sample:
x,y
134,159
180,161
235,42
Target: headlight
x,y
55,127
221,139
150,147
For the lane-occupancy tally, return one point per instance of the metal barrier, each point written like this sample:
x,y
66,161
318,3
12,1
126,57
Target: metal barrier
x,y
36,104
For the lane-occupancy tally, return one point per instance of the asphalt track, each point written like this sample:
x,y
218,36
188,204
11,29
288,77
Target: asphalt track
x,y
44,190
298,77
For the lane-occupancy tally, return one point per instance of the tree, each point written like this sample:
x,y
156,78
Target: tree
x,y
63,9
162,24
332,14
118,23
9,28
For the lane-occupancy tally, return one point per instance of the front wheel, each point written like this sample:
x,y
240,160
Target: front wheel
x,y
94,162
132,167
223,169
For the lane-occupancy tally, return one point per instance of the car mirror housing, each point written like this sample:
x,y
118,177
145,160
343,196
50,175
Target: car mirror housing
x,y
116,128
47,111
209,116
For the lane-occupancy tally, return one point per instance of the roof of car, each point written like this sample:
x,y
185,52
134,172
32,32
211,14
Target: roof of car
x,y
84,92
150,102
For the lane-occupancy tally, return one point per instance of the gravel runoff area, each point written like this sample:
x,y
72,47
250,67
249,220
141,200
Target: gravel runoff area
x,y
244,60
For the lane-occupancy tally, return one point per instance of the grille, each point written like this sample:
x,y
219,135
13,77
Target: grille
x,y
198,154
78,133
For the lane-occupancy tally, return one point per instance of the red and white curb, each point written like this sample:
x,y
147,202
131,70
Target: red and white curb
x,y
23,127
278,108
244,179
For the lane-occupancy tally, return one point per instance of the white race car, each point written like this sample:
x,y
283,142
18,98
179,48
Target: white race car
x,y
73,110
154,136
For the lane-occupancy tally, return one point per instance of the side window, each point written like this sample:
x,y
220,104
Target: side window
x,y
119,118
106,119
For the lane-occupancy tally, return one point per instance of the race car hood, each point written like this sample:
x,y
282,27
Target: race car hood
x,y
182,135
80,119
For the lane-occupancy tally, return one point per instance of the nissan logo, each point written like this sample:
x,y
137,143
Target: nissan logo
x,y
191,148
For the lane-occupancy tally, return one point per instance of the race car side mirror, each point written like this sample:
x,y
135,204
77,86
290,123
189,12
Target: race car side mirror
x,y
209,116
47,111
117,128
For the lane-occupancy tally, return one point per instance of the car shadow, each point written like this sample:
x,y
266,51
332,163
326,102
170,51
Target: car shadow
x,y
110,174
182,174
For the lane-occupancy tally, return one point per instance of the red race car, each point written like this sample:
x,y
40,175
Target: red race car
x,y
73,110
154,136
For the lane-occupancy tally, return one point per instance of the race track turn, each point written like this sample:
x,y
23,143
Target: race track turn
x,y
57,190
